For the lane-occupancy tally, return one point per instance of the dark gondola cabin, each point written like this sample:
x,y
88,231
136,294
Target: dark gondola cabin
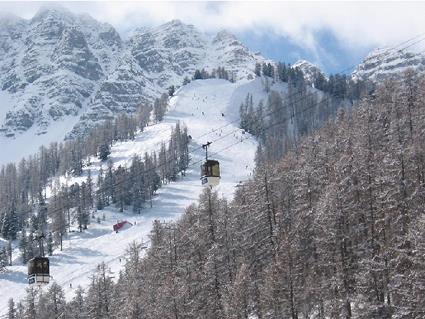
x,y
210,173
38,270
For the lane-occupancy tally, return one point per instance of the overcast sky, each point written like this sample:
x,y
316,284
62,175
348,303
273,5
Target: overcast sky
x,y
331,34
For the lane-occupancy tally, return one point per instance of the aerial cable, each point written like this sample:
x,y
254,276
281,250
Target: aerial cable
x,y
421,36
421,39
191,152
310,94
268,114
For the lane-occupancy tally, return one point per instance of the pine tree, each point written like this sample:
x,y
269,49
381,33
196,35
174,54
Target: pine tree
x,y
109,185
104,152
77,159
121,188
55,301
197,75
171,90
50,244
83,218
160,107
238,300
138,195
57,214
23,247
9,252
3,259
100,192
99,295
132,282
186,80
11,314
42,214
143,115
77,306
32,250
30,303
9,227
257,69
89,191
20,310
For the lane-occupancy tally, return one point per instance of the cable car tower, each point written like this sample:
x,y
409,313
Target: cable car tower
x,y
210,170
38,267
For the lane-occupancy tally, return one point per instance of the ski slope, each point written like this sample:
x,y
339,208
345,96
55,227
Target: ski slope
x,y
209,108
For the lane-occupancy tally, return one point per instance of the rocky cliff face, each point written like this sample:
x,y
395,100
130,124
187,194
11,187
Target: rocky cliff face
x,y
309,70
226,50
379,65
168,52
50,67
383,64
59,65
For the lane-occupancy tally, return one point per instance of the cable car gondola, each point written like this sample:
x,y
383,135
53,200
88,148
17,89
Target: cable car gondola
x,y
38,270
210,170
39,267
210,173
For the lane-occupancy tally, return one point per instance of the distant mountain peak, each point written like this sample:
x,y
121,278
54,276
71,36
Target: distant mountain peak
x,y
385,63
309,70
175,22
301,63
52,10
62,65
224,35
175,25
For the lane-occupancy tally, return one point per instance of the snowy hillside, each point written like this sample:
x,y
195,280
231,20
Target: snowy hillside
x,y
200,105
61,66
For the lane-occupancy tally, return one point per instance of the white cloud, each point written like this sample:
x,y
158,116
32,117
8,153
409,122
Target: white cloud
x,y
356,24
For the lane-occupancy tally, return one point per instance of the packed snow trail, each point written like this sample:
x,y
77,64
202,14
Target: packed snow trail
x,y
202,106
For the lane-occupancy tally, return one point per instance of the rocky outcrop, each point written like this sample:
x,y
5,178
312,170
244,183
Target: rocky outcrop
x,y
310,71
59,64
382,64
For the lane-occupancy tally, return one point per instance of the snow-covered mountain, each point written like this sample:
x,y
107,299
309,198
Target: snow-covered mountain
x,y
156,58
59,66
50,66
379,65
62,73
309,70
386,63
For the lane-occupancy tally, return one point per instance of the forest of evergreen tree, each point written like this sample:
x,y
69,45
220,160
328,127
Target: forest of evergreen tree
x,y
334,229
281,121
25,212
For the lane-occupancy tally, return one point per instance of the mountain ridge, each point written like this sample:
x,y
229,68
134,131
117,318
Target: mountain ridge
x,y
385,63
59,64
